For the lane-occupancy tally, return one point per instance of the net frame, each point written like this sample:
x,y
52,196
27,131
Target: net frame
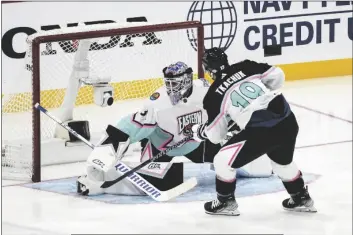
x,y
106,32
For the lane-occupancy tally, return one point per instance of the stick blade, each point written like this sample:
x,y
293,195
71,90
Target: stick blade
x,y
178,190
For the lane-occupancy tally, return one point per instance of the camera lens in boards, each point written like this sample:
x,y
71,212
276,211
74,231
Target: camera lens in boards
x,y
107,99
110,101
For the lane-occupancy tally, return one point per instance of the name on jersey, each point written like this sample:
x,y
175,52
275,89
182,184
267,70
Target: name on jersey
x,y
230,81
185,122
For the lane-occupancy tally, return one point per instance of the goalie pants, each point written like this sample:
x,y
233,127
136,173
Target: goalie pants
x,y
278,142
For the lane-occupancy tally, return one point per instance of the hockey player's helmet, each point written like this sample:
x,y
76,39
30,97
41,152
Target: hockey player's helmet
x,y
178,81
214,61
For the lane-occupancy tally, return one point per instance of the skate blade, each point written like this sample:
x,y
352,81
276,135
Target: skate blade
x,y
302,209
228,213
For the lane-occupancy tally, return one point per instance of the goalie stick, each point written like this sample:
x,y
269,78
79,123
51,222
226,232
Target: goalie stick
x,y
107,184
134,178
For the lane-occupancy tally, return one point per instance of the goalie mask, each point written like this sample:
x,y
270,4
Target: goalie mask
x,y
178,81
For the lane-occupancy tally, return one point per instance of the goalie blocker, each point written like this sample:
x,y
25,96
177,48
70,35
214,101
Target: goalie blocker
x,y
104,166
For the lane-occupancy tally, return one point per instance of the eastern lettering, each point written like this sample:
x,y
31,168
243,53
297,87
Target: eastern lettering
x,y
185,122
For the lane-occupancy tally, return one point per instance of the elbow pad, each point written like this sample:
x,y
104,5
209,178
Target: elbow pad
x,y
274,79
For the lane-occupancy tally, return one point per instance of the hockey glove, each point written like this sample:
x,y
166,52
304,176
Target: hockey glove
x,y
199,132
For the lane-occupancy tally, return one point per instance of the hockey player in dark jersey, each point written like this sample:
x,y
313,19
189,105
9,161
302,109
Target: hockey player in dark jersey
x,y
245,93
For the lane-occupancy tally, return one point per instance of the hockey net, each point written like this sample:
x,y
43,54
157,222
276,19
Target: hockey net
x,y
59,65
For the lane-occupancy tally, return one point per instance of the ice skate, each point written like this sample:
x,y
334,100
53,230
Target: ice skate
x,y
299,202
227,207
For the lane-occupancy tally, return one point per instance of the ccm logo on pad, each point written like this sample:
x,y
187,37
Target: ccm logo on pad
x,y
98,162
154,166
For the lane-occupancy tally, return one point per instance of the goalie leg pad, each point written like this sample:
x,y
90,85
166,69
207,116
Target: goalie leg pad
x,y
105,154
102,157
86,184
88,187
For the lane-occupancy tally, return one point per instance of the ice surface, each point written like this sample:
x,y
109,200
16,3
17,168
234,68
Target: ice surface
x,y
31,211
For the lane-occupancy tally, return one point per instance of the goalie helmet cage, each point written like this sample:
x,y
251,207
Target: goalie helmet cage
x,y
36,63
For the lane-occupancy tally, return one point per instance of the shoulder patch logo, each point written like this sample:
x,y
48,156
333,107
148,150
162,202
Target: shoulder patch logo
x,y
155,96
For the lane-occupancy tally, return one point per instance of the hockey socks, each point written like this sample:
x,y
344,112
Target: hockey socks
x,y
225,189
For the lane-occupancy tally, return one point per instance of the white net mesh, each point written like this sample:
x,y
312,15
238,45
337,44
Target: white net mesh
x,y
134,62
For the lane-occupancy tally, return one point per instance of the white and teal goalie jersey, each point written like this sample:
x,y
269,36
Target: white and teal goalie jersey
x,y
164,124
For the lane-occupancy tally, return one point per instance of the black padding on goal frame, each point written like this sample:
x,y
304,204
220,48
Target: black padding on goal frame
x,y
82,128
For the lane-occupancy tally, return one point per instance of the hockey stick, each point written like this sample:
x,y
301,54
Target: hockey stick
x,y
107,184
135,179
43,110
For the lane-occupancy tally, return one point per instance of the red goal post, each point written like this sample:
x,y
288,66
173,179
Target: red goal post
x,y
37,40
